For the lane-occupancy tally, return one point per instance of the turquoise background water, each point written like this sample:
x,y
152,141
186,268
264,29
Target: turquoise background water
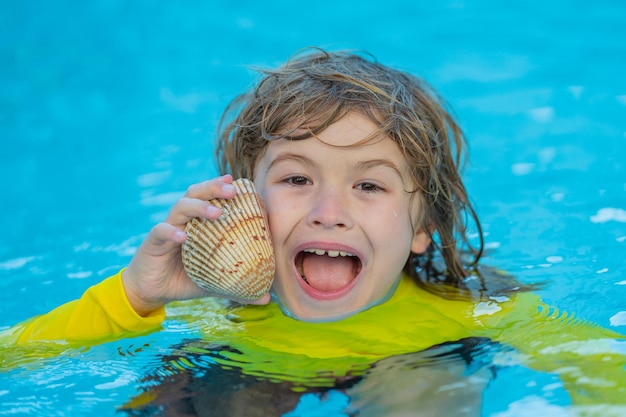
x,y
108,108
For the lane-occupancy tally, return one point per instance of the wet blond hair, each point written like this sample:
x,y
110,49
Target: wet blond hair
x,y
317,88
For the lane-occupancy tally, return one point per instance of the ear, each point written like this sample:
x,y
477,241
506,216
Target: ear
x,y
420,242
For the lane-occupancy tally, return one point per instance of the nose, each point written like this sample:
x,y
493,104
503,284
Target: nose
x,y
330,210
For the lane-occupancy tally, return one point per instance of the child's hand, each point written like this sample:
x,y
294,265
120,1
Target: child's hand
x,y
156,274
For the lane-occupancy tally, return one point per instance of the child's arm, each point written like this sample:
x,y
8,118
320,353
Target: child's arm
x,y
132,301
589,359
103,312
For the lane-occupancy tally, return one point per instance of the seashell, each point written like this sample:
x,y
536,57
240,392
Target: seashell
x,y
232,256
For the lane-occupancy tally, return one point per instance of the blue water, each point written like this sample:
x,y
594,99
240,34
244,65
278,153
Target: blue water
x,y
107,110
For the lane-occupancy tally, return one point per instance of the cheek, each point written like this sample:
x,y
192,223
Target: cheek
x,y
280,211
393,228
402,233
404,229
400,218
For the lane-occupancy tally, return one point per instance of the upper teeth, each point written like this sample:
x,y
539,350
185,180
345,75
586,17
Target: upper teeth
x,y
331,253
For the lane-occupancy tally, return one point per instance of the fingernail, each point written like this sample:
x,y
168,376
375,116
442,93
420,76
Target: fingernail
x,y
228,188
212,211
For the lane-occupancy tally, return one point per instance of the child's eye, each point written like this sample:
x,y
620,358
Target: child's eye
x,y
297,180
369,187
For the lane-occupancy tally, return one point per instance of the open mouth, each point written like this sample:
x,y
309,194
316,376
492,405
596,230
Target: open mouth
x,y
327,271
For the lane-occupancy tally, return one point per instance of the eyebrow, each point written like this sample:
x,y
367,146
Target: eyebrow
x,y
287,156
359,166
375,163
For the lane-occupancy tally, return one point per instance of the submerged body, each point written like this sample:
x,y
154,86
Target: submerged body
x,y
261,342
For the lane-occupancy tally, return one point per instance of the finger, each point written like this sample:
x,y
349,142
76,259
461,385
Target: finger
x,y
220,187
163,235
195,202
186,209
265,299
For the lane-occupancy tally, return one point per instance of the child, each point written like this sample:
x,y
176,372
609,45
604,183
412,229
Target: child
x,y
377,180
358,165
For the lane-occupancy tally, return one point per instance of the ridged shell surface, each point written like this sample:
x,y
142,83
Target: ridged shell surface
x,y
232,255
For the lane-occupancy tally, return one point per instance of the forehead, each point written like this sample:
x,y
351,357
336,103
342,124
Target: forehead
x,y
353,141
352,130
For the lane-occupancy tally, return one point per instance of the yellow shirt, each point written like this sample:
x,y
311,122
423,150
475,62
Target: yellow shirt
x,y
589,359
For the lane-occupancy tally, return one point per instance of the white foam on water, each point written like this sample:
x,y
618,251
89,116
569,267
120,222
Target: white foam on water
x,y
522,168
542,114
554,259
16,263
618,319
532,406
608,214
80,274
486,308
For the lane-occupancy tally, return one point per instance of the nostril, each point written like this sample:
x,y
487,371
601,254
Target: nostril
x,y
324,224
329,213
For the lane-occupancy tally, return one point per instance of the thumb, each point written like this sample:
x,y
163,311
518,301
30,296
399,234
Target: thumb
x,y
163,238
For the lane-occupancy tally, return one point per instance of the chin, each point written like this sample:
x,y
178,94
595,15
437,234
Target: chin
x,y
320,316
316,311
304,303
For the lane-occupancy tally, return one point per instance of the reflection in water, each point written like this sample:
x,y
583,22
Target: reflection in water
x,y
444,380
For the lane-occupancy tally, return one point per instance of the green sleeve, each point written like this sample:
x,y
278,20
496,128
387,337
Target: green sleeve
x,y
590,359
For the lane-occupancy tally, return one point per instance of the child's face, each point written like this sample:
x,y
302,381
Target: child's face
x,y
340,218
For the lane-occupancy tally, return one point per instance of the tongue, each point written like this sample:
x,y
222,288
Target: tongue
x,y
327,274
